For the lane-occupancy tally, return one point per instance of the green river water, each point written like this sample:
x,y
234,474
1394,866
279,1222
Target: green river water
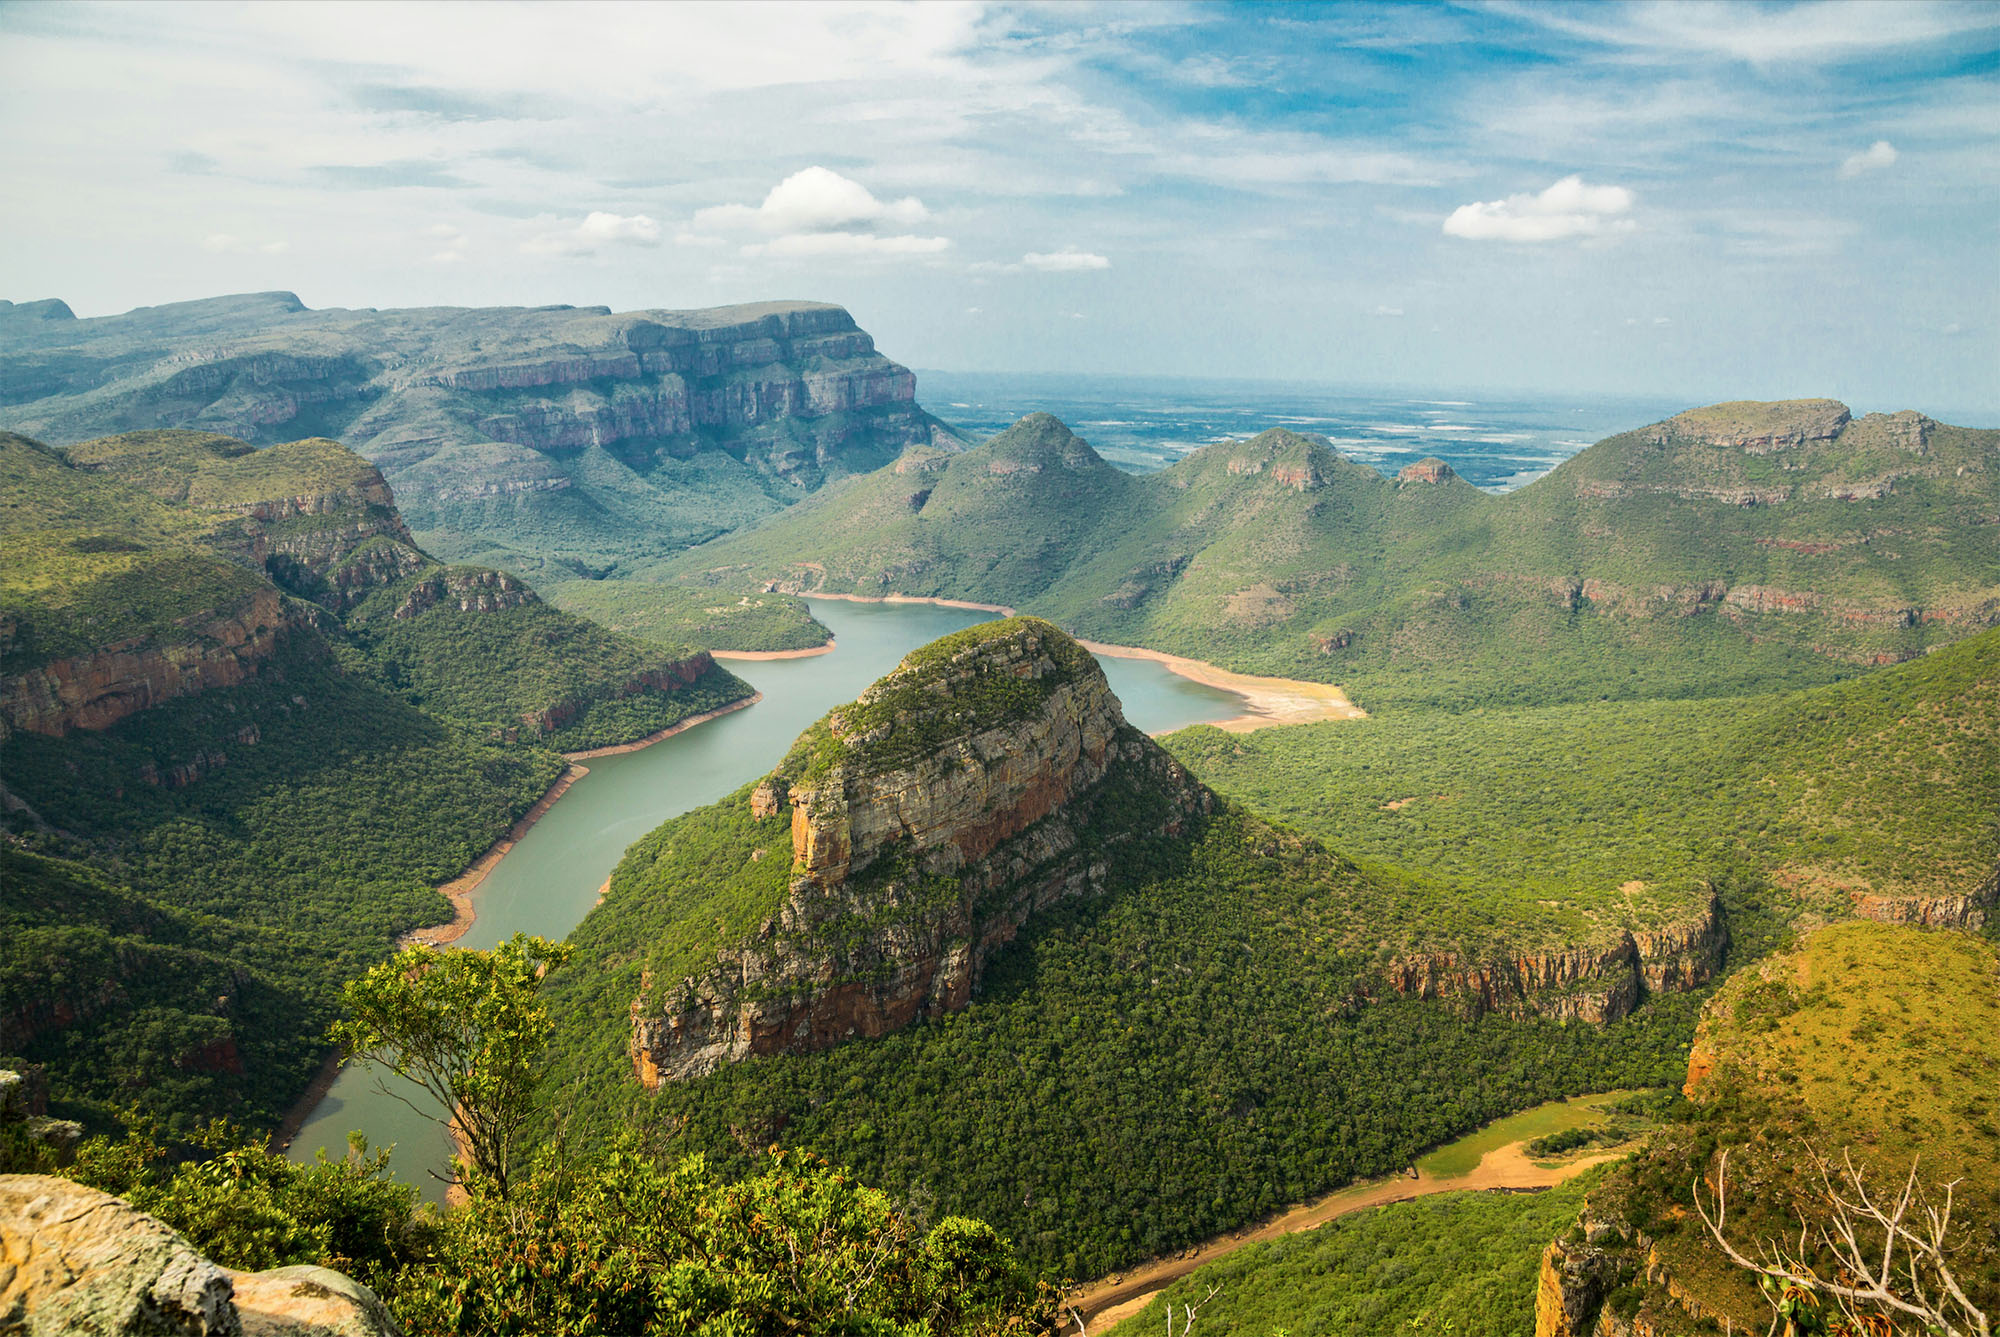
x,y
549,881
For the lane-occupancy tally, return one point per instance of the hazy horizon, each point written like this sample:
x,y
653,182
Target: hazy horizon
x,y
1696,202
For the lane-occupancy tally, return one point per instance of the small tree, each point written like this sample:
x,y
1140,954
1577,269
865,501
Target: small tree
x,y
1890,1253
469,1028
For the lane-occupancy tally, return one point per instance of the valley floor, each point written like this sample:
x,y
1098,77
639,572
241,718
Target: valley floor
x,y
1504,1168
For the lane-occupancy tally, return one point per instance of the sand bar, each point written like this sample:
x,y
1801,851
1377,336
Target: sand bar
x,y
1270,700
1124,1294
1267,701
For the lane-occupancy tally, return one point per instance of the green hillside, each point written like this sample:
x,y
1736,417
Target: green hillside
x,y
1734,549
1873,1041
1139,1070
1202,1032
680,618
1885,788
255,726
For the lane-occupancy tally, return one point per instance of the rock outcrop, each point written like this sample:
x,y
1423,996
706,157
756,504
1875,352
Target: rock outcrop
x,y
1595,984
546,409
221,648
930,820
75,1262
1430,470
1756,427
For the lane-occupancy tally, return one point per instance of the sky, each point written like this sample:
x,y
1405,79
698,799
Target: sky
x,y
1710,201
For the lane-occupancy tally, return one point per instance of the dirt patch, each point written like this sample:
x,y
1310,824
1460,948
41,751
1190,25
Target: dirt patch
x,y
1505,1168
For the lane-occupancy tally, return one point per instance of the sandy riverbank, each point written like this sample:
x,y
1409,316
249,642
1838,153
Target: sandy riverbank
x,y
1269,700
459,890
620,749
1124,1294
758,656
1002,609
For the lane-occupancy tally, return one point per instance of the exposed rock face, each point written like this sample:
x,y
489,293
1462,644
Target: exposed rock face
x,y
942,809
1586,984
1432,470
1758,428
462,406
95,691
1943,910
77,1262
469,590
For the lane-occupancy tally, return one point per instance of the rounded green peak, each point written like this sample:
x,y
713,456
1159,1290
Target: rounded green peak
x,y
1042,439
958,685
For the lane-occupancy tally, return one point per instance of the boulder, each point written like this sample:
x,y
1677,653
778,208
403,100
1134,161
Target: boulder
x,y
76,1261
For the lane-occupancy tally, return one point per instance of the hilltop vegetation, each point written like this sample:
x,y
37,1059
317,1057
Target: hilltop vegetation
x,y
251,726
1878,791
1870,1040
1743,548
679,618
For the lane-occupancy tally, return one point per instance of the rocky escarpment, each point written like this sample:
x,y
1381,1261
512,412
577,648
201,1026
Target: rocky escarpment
x,y
930,820
554,410
218,648
75,1261
1595,984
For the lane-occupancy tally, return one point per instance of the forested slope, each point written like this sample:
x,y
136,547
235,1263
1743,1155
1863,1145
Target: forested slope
x,y
1737,548
251,725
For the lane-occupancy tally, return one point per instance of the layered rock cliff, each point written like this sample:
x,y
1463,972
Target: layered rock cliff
x,y
929,821
1595,984
602,433
216,648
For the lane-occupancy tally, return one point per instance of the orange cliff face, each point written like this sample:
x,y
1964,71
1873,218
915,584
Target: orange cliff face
x,y
94,691
993,811
1596,984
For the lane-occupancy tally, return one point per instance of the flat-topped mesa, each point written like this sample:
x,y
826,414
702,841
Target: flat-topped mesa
x,y
1756,427
1431,469
1597,984
982,781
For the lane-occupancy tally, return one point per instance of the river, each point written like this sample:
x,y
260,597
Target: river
x,y
549,881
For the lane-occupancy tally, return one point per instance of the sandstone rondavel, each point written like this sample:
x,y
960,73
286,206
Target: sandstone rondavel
x,y
932,787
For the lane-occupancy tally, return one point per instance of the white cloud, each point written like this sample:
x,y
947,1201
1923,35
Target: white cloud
x,y
635,229
1569,208
224,243
814,200
597,230
1761,34
863,244
1068,260
1879,154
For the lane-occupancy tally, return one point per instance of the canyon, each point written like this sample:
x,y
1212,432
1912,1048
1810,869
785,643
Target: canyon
x,y
549,434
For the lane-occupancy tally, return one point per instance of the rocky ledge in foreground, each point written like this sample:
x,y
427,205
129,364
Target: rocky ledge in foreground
x,y
976,785
77,1261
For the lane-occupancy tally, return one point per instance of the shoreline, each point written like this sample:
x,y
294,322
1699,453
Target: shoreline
x,y
1503,1169
316,1090
1267,701
1002,609
760,656
459,890
1270,701
620,749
